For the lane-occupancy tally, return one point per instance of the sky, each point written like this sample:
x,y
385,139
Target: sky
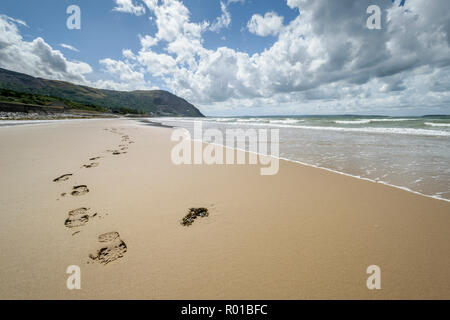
x,y
243,57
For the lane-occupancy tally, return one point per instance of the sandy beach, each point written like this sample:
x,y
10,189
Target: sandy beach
x,y
304,233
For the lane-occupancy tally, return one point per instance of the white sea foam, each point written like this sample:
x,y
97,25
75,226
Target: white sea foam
x,y
218,119
252,120
434,124
391,120
403,131
376,130
366,121
352,121
287,121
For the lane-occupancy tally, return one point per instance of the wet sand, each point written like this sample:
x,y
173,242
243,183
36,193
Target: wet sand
x,y
304,233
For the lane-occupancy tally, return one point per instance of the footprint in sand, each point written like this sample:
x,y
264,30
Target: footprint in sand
x,y
64,177
115,152
193,214
78,218
91,165
96,158
79,190
111,248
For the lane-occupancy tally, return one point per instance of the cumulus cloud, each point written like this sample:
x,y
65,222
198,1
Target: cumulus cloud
x,y
123,75
128,6
294,3
36,57
122,69
158,64
148,41
270,24
173,20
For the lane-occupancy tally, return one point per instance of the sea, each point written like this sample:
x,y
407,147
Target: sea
x,y
412,153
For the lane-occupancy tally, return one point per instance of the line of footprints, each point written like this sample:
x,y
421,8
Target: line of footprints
x,y
111,247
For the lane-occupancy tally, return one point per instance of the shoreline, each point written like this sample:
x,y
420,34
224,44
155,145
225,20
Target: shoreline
x,y
301,234
160,124
331,170
319,167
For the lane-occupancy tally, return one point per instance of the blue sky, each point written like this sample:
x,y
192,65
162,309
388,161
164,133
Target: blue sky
x,y
243,57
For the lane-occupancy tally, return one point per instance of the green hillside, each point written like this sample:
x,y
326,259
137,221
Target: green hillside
x,y
154,102
48,101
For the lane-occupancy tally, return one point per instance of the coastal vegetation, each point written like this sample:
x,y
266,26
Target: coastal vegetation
x,y
22,88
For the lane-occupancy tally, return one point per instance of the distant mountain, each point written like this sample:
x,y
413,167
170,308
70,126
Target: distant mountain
x,y
153,102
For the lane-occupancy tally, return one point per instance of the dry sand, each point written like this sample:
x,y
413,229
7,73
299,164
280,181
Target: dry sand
x,y
303,233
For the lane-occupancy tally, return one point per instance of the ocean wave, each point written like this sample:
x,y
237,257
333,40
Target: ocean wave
x,y
366,121
375,130
257,120
434,124
403,131
391,120
221,119
352,121
252,120
287,121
